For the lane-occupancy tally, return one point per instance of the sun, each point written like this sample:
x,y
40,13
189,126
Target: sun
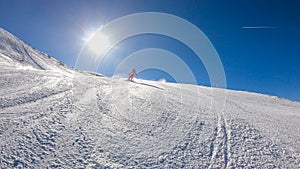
x,y
99,43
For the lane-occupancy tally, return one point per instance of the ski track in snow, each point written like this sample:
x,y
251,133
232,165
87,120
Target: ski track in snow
x,y
55,117
219,145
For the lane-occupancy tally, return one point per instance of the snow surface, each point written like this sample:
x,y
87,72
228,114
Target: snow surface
x,y
54,117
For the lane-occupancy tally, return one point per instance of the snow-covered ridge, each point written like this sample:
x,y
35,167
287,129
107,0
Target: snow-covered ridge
x,y
55,117
23,54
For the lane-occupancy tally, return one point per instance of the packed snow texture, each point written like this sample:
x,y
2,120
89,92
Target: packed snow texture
x,y
52,116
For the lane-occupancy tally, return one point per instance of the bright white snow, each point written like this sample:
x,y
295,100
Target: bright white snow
x,y
52,116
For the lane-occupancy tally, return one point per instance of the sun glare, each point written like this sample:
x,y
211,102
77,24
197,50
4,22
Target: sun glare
x,y
99,43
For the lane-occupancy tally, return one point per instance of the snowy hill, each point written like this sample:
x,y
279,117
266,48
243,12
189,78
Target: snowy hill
x,y
14,51
55,117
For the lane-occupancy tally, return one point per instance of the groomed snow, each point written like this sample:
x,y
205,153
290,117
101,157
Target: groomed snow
x,y
55,117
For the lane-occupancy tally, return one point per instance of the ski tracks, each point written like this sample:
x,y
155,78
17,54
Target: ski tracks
x,y
220,144
83,131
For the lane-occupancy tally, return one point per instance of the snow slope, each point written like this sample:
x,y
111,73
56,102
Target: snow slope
x,y
55,117
15,51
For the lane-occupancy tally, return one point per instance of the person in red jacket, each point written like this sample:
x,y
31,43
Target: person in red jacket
x,y
132,74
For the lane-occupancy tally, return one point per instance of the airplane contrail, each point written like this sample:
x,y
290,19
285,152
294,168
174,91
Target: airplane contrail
x,y
259,27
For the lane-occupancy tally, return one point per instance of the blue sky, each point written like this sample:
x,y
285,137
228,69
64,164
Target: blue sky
x,y
258,40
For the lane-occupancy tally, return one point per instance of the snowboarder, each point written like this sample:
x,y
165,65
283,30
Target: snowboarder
x,y
132,74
